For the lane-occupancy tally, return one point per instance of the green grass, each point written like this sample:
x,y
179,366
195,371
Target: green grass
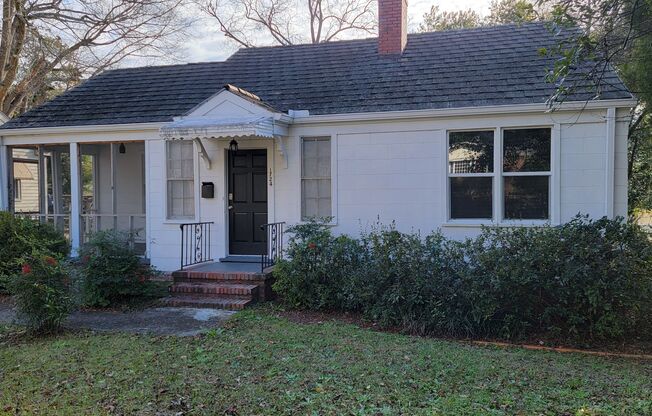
x,y
262,364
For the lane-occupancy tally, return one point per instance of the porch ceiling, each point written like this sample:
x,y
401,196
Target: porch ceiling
x,y
222,128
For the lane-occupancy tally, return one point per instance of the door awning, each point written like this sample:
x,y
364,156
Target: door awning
x,y
223,128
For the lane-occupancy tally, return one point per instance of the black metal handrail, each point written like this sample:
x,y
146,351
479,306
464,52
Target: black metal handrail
x,y
274,241
195,243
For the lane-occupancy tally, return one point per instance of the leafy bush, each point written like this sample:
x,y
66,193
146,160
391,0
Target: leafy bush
x,y
20,237
111,272
584,279
41,291
319,268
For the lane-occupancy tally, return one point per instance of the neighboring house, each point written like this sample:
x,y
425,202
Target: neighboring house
x,y
436,130
25,183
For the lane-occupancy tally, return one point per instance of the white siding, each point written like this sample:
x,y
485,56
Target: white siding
x,y
390,177
583,162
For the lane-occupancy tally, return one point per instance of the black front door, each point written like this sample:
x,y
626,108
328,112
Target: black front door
x,y
247,201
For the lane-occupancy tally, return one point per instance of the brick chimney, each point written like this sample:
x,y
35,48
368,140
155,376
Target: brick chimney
x,y
392,26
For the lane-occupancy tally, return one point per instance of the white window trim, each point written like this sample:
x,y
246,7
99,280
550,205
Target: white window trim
x,y
497,219
196,190
333,141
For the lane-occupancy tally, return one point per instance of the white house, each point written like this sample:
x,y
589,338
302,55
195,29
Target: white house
x,y
445,130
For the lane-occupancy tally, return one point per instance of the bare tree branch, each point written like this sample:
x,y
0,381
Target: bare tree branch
x,y
245,21
45,37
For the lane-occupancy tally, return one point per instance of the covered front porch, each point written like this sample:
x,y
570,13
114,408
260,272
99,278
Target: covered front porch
x,y
81,188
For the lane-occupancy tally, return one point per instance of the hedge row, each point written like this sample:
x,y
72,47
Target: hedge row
x,y
586,278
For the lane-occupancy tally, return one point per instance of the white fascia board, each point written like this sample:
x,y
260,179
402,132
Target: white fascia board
x,y
93,128
329,118
464,111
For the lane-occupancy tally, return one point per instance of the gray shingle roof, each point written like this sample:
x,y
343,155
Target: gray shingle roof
x,y
460,68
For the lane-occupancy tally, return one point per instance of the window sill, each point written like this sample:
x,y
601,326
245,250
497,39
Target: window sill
x,y
468,224
506,224
327,224
180,221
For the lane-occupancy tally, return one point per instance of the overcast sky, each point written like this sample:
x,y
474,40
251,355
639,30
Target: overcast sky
x,y
208,44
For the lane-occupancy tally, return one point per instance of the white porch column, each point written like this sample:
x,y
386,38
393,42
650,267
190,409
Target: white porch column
x,y
4,176
114,199
148,221
42,183
75,199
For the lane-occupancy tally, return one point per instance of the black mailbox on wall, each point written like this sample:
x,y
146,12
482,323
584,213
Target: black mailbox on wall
x,y
207,190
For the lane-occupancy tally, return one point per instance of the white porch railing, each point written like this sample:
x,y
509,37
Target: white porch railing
x,y
132,224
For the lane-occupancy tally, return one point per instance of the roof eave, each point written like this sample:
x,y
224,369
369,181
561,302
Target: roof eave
x,y
465,111
339,117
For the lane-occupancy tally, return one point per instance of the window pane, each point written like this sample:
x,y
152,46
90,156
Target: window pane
x,y
471,152
471,198
310,208
526,150
526,197
324,207
316,198
310,188
324,188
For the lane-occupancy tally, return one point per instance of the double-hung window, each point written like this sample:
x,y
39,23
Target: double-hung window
x,y
526,174
522,174
470,174
180,180
316,177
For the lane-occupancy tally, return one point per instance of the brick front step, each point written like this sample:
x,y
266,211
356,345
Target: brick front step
x,y
189,275
219,289
210,289
206,302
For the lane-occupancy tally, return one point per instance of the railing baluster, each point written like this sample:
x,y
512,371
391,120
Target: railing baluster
x,y
274,244
195,243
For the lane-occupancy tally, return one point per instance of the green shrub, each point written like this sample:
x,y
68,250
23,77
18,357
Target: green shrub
x,y
584,279
41,291
112,273
392,287
321,264
20,237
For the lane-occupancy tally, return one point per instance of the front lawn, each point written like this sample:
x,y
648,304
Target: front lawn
x,y
263,364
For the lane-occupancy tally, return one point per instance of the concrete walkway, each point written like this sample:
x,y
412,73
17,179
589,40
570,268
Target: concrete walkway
x,y
157,321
